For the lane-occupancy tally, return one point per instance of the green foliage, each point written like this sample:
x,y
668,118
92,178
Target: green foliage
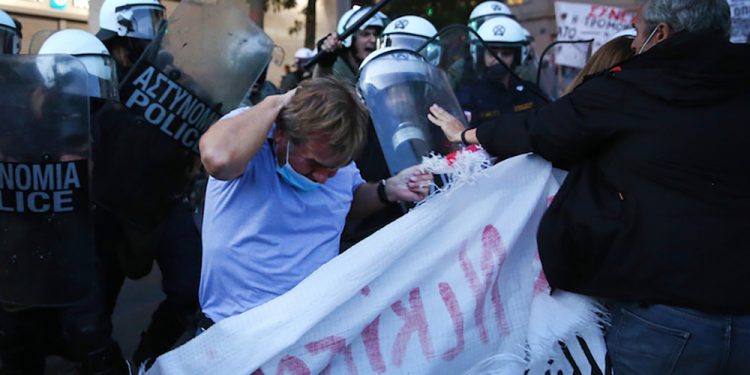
x,y
277,5
297,27
440,12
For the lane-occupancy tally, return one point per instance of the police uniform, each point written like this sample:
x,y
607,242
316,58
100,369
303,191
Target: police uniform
x,y
487,99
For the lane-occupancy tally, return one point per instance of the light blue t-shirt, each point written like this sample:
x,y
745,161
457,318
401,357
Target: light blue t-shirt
x,y
261,236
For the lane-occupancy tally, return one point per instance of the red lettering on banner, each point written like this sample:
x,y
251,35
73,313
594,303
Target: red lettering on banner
x,y
605,11
371,339
479,293
336,345
502,323
449,298
292,365
592,13
618,15
493,244
415,320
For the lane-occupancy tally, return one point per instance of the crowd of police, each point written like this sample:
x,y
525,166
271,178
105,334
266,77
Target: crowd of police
x,y
145,199
76,276
100,174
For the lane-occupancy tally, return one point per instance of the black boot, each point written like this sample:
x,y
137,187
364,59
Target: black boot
x,y
22,364
107,361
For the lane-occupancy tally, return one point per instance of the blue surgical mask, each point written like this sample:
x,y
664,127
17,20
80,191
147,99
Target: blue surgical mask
x,y
294,178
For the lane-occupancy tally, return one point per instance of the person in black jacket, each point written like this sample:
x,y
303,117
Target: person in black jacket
x,y
653,217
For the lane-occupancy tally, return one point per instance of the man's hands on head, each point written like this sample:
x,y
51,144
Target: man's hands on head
x,y
229,144
286,97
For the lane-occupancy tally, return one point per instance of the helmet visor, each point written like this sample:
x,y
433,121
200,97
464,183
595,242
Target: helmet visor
x,y
102,76
140,21
410,42
9,40
475,23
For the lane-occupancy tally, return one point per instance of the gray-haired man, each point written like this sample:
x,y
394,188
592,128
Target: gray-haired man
x,y
653,217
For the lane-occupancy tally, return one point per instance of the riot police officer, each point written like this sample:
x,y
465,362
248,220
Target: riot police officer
x,y
497,90
28,331
126,27
290,80
343,63
131,241
488,10
10,35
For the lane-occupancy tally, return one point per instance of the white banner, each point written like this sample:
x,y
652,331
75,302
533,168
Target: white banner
x,y
453,287
576,21
740,20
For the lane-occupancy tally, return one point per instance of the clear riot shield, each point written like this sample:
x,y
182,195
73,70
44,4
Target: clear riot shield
x,y
559,65
399,87
458,51
46,245
147,146
484,85
38,39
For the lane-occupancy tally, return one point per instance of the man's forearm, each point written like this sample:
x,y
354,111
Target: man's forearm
x,y
366,201
229,144
410,185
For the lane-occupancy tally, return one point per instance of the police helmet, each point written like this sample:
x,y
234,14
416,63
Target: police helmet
x,y
102,76
9,36
487,10
379,20
410,32
505,32
130,18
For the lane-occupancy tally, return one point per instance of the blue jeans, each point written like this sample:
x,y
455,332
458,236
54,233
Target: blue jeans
x,y
660,339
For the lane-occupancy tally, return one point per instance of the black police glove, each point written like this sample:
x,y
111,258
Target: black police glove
x,y
326,58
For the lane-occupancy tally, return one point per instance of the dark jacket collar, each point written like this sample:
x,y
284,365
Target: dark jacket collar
x,y
690,68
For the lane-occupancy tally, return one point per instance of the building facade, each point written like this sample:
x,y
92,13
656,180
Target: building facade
x,y
538,16
51,15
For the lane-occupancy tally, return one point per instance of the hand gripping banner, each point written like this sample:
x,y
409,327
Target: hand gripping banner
x,y
453,287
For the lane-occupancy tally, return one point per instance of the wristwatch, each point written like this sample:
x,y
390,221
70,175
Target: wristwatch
x,y
381,193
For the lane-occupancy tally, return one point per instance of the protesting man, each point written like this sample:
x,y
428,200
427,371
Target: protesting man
x,y
497,90
653,216
282,184
63,310
342,58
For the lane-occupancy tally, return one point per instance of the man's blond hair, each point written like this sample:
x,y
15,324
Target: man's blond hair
x,y
329,110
